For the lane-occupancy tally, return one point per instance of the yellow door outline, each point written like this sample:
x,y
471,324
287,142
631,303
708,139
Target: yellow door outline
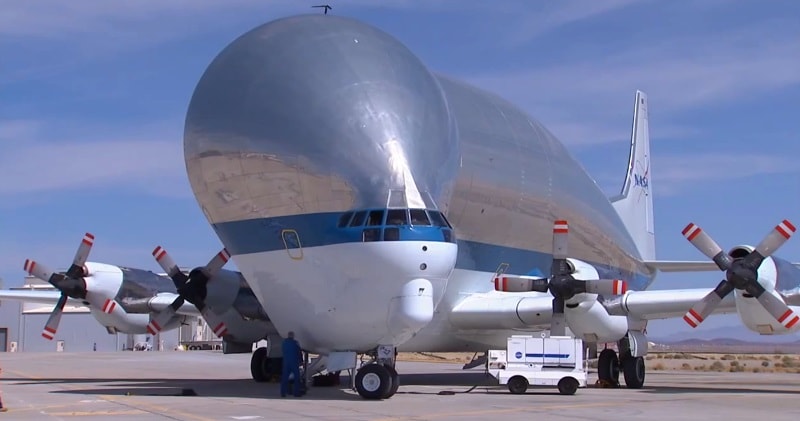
x,y
501,269
298,255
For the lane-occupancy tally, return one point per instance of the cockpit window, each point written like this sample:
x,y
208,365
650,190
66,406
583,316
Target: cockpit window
x,y
358,219
371,234
397,217
446,221
437,218
419,217
344,219
375,218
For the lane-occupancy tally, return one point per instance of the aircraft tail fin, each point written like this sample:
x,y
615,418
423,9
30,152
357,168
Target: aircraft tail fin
x,y
634,204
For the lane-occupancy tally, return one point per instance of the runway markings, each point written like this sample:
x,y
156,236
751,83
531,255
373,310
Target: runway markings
x,y
94,413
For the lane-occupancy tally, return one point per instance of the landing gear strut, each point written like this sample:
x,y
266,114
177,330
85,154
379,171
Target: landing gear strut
x,y
378,379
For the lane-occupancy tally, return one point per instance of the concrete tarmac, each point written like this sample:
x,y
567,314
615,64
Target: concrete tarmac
x,y
150,385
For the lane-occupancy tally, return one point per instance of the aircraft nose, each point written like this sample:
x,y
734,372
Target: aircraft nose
x,y
331,98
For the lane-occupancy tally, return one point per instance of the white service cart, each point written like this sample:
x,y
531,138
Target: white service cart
x,y
541,361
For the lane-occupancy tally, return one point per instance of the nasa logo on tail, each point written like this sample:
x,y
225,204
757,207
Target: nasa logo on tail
x,y
640,180
640,177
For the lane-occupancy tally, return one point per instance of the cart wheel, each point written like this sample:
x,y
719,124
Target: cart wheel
x,y
567,386
517,385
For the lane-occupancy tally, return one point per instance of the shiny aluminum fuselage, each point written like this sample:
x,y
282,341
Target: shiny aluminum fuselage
x,y
304,118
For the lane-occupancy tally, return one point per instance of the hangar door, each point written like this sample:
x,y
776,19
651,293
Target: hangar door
x,y
3,339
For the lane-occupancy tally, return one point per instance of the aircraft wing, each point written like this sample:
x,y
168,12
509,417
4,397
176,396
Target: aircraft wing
x,y
159,303
669,303
144,305
682,266
502,310
687,266
39,297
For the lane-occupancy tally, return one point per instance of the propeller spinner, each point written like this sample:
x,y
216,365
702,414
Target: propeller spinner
x,y
740,274
192,288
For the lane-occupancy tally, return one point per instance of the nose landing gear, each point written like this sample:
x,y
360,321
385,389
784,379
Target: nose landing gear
x,y
378,379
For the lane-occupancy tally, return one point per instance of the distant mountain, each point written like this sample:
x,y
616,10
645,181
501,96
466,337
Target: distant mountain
x,y
726,335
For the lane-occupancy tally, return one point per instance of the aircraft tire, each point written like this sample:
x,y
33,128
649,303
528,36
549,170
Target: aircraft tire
x,y
373,381
634,370
608,366
257,364
395,382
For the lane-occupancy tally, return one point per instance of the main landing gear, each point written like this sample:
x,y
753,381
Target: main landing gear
x,y
266,362
609,365
378,378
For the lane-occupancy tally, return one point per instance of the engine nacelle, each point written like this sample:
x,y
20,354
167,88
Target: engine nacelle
x,y
103,283
590,321
222,289
586,317
773,274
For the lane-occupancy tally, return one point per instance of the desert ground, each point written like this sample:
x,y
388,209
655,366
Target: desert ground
x,y
666,361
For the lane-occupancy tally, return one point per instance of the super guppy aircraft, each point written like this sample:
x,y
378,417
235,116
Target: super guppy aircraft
x,y
371,204
374,205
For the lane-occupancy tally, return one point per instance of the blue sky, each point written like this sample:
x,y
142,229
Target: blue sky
x,y
94,95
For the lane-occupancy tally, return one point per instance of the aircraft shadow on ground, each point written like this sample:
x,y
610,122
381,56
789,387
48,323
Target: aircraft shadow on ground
x,y
243,388
440,384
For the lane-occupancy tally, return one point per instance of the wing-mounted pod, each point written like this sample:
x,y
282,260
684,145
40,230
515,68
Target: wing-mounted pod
x,y
575,286
95,284
751,273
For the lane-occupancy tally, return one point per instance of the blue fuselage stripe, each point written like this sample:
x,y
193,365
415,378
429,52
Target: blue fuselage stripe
x,y
319,229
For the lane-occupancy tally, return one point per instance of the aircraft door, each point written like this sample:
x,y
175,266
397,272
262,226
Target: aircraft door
x,y
291,241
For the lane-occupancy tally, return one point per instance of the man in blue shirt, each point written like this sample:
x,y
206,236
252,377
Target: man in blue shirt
x,y
292,355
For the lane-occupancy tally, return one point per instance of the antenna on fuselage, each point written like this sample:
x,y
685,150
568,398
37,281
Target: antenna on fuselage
x,y
324,6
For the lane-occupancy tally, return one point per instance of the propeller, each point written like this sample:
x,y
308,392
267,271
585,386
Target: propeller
x,y
561,284
740,273
70,283
191,288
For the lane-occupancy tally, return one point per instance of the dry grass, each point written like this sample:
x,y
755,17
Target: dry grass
x,y
753,363
663,361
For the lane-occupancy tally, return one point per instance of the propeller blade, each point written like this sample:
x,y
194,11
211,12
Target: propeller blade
x,y
560,238
109,305
78,270
170,267
707,246
50,328
161,319
775,239
508,283
558,323
38,270
216,263
215,322
703,309
778,309
606,286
